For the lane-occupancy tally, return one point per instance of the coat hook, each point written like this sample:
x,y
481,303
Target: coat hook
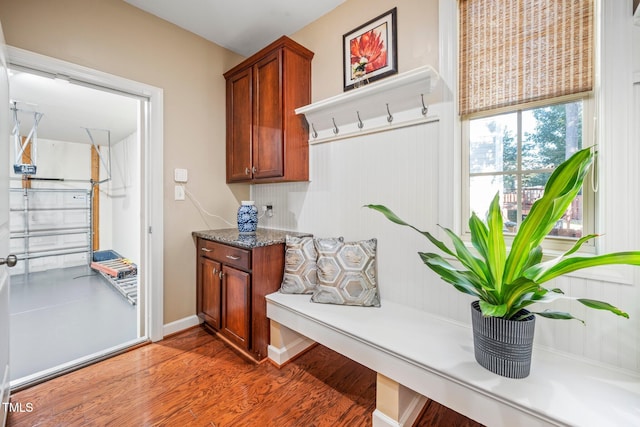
x,y
315,132
335,128
389,116
425,109
360,124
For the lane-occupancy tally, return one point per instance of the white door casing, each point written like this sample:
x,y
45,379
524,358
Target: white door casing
x,y
151,239
4,230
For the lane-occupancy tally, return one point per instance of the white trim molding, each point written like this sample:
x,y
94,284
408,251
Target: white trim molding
x,y
151,271
286,344
181,324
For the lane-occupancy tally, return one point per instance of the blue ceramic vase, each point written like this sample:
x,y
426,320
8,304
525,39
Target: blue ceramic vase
x,y
247,217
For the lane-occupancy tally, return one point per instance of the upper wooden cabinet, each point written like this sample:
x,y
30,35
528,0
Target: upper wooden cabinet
x,y
266,140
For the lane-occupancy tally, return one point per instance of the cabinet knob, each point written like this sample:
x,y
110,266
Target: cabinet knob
x,y
215,270
246,171
220,274
254,170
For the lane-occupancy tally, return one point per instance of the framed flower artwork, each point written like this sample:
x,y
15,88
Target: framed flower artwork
x,y
370,51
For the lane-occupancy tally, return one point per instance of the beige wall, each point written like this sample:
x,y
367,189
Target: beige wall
x,y
417,38
111,36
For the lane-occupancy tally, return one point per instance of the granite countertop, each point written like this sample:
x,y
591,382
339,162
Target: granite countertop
x,y
262,237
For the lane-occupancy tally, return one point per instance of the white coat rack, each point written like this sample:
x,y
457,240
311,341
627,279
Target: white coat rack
x,y
383,105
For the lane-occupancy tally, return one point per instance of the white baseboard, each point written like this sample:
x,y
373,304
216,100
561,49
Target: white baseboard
x,y
180,325
413,410
408,418
282,355
380,419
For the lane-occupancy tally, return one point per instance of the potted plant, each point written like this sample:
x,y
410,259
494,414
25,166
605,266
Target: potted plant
x,y
508,280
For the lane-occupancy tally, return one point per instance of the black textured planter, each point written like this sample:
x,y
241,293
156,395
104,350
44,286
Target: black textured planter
x,y
502,346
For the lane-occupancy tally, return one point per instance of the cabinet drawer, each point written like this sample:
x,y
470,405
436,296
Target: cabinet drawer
x,y
230,255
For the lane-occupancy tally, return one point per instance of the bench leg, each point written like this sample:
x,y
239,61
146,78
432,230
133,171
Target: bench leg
x,y
396,405
286,344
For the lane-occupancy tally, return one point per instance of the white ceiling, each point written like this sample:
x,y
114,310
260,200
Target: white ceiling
x,y
242,26
67,109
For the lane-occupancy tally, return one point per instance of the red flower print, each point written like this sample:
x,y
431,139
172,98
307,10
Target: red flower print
x,y
369,49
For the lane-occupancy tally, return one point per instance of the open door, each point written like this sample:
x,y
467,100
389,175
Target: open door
x,y
4,229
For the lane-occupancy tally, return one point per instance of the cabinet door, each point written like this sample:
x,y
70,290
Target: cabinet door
x,y
236,305
268,143
210,292
239,126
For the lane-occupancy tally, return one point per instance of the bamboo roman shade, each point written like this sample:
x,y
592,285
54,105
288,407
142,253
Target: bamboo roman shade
x,y
517,51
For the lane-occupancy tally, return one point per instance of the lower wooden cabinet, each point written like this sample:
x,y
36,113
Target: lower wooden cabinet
x,y
236,306
210,290
231,286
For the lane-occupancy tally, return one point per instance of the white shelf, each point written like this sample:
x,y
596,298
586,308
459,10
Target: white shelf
x,y
387,104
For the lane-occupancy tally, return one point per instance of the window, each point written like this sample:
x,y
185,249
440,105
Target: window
x,y
526,75
514,153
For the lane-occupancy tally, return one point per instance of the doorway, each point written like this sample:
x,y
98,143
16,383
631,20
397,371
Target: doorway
x,y
52,206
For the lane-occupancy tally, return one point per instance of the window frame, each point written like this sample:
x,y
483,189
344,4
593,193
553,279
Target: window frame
x,y
552,244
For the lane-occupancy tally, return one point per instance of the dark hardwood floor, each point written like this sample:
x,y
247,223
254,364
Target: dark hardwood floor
x,y
195,379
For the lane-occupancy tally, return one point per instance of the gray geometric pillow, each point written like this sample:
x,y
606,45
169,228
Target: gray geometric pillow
x,y
347,273
299,266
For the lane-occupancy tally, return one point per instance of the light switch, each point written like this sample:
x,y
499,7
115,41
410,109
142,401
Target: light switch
x,y
180,175
179,192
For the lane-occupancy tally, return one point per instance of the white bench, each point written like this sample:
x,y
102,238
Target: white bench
x,y
417,354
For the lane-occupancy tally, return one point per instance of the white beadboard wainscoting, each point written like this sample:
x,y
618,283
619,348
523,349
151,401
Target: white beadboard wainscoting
x,y
402,169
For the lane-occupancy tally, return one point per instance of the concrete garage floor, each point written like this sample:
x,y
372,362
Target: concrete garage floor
x,y
60,316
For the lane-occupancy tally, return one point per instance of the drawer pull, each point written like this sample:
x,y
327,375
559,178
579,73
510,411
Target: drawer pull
x,y
235,258
206,250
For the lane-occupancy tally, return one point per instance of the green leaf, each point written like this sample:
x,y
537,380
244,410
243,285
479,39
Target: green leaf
x,y
465,289
534,294
557,315
479,235
497,251
557,267
391,216
493,310
561,188
517,293
600,305
535,256
579,243
467,259
464,281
